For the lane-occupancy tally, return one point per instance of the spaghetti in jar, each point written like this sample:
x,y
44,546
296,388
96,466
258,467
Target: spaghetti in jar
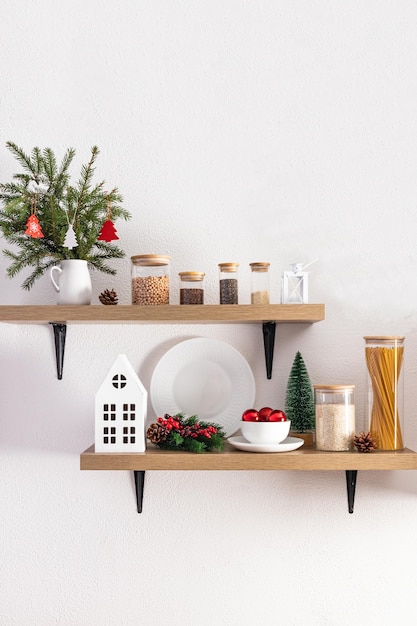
x,y
384,361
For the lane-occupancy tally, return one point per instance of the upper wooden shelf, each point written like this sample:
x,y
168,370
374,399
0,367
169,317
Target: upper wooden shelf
x,y
172,313
305,458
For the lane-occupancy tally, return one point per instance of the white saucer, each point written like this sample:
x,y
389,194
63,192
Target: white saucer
x,y
290,443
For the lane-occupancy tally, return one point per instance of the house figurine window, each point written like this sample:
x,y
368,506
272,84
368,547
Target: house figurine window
x,y
120,410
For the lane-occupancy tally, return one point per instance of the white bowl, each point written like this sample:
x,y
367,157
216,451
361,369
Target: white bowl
x,y
265,432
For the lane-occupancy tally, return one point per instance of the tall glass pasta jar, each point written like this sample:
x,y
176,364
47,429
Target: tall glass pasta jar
x,y
150,279
335,417
385,383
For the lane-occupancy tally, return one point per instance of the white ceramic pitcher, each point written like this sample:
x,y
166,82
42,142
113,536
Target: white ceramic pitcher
x,y
74,282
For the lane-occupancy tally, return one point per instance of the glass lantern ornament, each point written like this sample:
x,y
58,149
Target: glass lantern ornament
x,y
294,288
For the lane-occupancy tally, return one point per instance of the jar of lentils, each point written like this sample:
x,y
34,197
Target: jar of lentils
x,y
150,279
191,287
229,283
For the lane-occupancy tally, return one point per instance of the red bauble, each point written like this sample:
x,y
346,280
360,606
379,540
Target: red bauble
x,y
264,413
108,232
277,416
250,415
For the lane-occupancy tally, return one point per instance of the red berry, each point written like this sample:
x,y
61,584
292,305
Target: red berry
x,y
277,416
264,413
250,415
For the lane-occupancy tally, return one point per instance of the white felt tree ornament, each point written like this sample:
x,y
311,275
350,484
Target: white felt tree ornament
x,y
70,240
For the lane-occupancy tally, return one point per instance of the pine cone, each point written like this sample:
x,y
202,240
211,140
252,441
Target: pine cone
x,y
364,442
156,433
108,297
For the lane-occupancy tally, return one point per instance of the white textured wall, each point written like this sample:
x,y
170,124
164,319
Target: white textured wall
x,y
246,130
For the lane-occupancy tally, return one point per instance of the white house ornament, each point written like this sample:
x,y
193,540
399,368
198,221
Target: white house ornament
x,y
120,410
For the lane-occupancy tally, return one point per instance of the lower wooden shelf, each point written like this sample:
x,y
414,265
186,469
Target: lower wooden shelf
x,y
305,458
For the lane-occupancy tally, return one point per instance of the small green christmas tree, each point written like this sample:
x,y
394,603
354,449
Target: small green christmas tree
x,y
299,401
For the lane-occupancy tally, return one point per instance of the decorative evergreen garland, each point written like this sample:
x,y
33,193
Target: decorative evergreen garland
x,y
186,433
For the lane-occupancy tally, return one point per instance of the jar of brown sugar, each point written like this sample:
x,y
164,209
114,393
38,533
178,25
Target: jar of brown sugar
x,y
260,283
191,287
150,279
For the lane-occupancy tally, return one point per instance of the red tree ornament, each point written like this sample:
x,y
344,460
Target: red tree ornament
x,y
33,227
108,232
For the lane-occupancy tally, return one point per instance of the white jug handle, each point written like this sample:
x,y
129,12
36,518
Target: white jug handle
x,y
55,269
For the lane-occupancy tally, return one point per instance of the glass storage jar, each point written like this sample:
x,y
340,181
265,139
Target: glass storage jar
x,y
335,417
229,283
385,387
259,283
150,279
191,287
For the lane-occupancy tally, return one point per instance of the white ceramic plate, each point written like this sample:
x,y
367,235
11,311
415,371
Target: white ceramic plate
x,y
204,377
290,443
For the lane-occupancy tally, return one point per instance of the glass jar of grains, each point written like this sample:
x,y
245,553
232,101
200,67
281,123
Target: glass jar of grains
x,y
335,417
191,287
260,283
229,283
150,279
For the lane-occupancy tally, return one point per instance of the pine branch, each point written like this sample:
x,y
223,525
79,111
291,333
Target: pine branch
x,y
37,162
22,157
85,205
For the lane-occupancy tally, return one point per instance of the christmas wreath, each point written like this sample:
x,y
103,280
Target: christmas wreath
x,y
185,433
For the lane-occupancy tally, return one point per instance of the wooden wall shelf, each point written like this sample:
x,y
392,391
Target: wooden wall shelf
x,y
306,458
268,315
166,314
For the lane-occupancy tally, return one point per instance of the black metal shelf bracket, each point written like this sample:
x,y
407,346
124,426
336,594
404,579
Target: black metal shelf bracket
x,y
60,331
139,485
139,476
351,476
268,329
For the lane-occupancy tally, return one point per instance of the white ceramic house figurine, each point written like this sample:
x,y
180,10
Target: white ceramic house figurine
x,y
120,410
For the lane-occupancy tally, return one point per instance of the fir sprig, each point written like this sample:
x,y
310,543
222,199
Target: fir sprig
x,y
58,203
186,433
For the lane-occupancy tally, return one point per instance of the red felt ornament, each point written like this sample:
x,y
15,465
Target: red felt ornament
x,y
33,228
108,230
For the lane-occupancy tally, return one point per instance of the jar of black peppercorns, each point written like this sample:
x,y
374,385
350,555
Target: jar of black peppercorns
x,y
229,283
191,287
